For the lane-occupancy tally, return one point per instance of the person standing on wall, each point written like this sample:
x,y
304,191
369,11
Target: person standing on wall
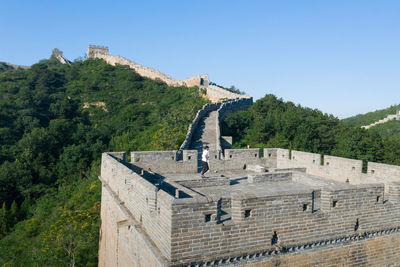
x,y
204,161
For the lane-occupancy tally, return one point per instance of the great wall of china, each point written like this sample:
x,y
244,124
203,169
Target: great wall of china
x,y
386,119
214,93
256,208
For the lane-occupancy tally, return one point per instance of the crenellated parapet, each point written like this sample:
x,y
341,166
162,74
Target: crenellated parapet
x,y
97,50
175,218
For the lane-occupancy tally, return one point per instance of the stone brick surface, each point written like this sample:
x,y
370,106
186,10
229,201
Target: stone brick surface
x,y
241,217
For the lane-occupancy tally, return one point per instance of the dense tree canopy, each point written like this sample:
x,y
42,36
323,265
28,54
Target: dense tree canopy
x,y
55,121
271,122
4,66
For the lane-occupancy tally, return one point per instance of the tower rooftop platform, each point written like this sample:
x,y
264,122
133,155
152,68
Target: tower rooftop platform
x,y
237,184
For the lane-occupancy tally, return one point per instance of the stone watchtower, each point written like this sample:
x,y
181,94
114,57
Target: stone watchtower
x,y
398,114
58,54
97,50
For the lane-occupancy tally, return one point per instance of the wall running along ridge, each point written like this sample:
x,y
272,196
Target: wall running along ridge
x,y
214,93
224,107
388,118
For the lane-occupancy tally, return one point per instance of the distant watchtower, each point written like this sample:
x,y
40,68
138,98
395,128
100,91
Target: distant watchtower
x,y
398,114
96,50
56,53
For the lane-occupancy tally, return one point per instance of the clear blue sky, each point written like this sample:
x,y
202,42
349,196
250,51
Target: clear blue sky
x,y
342,57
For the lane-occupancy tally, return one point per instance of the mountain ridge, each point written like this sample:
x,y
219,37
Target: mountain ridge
x,y
4,66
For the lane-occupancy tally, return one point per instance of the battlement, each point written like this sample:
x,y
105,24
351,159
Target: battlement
x,y
165,211
169,162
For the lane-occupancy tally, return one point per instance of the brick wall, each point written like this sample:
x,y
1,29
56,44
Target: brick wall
x,y
383,170
145,202
122,243
203,229
166,161
356,211
336,168
216,93
377,251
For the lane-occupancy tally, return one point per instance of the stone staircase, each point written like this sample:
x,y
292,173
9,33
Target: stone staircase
x,y
205,135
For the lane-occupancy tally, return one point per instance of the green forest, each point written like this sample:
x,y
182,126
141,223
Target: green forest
x,y
5,66
390,128
271,122
387,129
56,120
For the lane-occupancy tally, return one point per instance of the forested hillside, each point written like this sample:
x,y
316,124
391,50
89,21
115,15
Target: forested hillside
x,y
389,129
4,66
371,117
55,121
271,122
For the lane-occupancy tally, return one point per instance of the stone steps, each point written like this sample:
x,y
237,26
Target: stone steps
x,y
205,134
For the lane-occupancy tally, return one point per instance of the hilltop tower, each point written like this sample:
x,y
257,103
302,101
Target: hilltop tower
x,y
58,54
94,50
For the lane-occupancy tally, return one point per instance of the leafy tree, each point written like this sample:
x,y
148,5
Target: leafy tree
x,y
271,122
67,236
55,121
3,220
13,214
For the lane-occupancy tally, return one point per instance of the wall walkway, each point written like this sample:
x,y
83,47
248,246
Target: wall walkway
x,y
388,118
